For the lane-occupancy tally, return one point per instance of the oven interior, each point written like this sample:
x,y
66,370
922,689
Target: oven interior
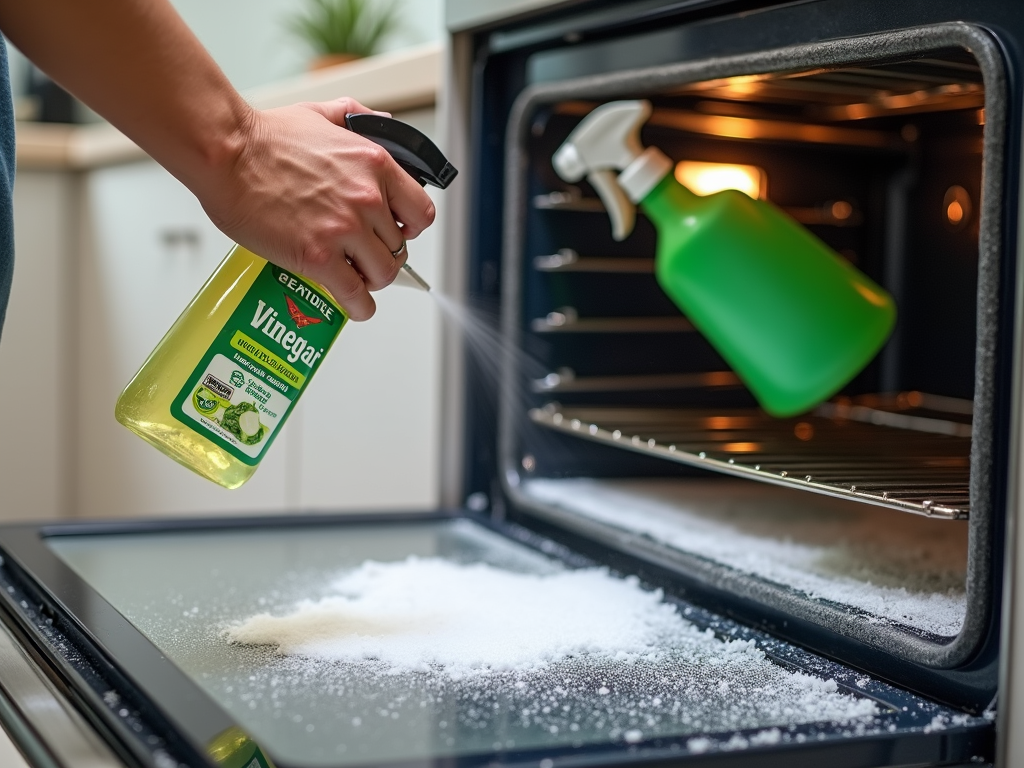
x,y
620,421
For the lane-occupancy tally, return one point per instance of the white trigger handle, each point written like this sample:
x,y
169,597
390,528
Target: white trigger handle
x,y
620,208
607,140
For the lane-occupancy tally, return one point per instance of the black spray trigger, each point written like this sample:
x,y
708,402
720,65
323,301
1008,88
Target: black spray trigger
x,y
413,151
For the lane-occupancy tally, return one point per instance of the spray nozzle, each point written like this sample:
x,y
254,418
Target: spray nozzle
x,y
416,154
412,149
606,141
410,278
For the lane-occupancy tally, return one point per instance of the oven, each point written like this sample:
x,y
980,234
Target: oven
x,y
618,424
848,572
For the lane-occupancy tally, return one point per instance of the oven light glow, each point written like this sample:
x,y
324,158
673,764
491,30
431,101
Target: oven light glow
x,y
804,430
728,422
841,210
957,206
708,178
741,447
955,212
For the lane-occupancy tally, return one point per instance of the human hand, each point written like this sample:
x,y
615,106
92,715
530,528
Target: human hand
x,y
290,184
304,192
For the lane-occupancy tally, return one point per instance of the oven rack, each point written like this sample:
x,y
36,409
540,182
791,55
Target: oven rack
x,y
835,451
574,200
566,320
565,380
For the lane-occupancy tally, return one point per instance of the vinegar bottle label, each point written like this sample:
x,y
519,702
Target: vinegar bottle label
x,y
261,361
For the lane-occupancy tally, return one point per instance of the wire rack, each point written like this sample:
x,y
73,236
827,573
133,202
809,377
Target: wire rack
x,y
906,461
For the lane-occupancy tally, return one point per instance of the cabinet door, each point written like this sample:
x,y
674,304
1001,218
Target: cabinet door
x,y
146,247
370,422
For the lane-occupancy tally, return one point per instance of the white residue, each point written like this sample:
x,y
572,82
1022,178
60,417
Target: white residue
x,y
429,612
894,566
763,738
563,651
699,744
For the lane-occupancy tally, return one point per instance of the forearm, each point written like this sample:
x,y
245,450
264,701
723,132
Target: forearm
x,y
137,64
291,184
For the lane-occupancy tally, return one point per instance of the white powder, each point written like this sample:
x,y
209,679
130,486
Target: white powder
x,y
699,744
771,736
894,566
420,613
551,655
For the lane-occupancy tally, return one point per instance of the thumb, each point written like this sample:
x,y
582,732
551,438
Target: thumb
x,y
336,110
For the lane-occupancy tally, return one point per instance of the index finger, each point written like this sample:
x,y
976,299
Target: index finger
x,y
408,201
336,110
346,286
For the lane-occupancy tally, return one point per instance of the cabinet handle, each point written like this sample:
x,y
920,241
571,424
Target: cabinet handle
x,y
180,239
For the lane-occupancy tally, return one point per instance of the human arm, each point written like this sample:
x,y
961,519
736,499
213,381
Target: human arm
x,y
290,184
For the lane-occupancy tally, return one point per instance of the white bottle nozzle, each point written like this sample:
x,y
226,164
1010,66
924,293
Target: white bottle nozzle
x,y
408,277
607,138
606,141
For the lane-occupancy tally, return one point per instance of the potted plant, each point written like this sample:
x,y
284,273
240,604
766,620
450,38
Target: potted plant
x,y
342,30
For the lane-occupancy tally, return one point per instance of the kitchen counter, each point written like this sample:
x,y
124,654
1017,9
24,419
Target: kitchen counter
x,y
399,81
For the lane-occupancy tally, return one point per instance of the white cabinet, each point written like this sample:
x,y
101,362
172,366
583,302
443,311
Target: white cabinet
x,y
145,248
370,423
106,260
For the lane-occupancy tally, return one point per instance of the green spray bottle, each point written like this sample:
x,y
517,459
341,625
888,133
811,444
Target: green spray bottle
x,y
794,319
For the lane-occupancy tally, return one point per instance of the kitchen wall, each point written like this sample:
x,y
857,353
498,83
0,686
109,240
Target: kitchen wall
x,y
251,42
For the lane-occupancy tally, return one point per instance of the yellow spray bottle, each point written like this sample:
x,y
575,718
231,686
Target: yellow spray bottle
x,y
215,392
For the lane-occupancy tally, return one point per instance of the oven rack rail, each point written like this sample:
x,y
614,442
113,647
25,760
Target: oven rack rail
x,y
923,473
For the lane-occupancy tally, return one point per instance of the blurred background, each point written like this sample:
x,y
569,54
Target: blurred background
x,y
110,248
254,44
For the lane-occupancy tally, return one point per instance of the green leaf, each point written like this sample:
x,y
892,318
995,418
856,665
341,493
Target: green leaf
x,y
345,26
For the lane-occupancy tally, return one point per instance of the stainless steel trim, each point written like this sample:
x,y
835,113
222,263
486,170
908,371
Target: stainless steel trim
x,y
1010,709
64,734
454,112
460,15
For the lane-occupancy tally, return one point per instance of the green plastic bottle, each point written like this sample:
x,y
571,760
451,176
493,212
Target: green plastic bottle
x,y
794,319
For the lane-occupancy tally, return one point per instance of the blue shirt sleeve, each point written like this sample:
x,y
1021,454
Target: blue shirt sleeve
x,y
6,184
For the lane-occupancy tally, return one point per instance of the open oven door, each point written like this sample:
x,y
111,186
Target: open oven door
x,y
129,620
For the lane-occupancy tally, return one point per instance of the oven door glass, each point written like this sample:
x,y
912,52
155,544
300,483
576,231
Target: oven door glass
x,y
420,641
